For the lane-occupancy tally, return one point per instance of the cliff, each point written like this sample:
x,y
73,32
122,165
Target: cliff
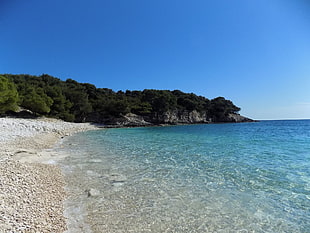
x,y
171,118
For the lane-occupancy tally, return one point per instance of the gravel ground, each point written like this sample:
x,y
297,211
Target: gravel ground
x,y
31,198
31,192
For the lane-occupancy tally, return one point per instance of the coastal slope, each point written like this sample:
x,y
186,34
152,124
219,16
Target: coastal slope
x,y
69,100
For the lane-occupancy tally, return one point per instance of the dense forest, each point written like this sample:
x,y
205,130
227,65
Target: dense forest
x,y
83,102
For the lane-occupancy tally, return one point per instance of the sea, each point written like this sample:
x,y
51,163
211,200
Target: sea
x,y
236,177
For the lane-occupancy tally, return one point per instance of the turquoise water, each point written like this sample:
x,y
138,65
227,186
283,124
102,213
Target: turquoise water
x,y
249,177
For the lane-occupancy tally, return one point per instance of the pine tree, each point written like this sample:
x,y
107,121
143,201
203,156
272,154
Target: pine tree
x,y
8,95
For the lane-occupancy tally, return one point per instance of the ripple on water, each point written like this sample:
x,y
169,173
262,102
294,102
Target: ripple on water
x,y
201,178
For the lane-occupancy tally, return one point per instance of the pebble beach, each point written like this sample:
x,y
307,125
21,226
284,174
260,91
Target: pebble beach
x,y
31,185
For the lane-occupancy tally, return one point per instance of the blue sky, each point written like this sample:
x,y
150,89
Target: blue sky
x,y
256,53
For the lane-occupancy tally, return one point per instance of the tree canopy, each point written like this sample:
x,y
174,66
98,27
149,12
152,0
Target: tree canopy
x,y
73,101
8,95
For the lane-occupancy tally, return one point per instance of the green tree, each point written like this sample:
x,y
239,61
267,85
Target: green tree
x,y
36,100
74,101
220,108
77,94
61,106
117,108
8,95
160,100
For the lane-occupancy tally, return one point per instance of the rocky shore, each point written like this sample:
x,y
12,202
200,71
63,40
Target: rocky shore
x,y
31,187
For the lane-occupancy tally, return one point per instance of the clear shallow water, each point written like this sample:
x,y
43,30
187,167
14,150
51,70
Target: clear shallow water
x,y
250,177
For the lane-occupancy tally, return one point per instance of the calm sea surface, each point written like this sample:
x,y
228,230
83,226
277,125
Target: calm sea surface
x,y
249,177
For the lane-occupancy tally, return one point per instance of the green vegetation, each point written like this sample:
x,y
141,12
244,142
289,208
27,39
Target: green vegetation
x,y
80,102
8,95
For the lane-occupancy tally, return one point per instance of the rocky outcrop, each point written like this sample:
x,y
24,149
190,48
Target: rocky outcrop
x,y
21,113
129,120
178,117
233,117
171,118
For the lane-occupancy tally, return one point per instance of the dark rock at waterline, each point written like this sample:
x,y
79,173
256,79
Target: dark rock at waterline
x,y
171,118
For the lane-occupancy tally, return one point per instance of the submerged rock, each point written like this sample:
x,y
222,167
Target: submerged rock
x,y
92,192
117,178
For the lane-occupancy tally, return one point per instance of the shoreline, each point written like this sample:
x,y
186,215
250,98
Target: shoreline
x,y
32,187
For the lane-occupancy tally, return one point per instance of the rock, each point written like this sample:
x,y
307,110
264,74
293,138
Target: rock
x,y
129,120
178,117
117,178
238,118
92,192
167,118
117,184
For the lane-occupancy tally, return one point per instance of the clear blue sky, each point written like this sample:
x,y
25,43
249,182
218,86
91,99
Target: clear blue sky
x,y
254,52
